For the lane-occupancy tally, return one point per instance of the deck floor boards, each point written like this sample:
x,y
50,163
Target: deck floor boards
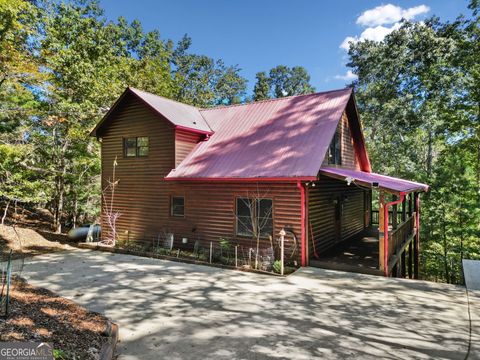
x,y
357,254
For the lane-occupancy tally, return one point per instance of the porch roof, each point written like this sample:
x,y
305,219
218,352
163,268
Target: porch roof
x,y
388,183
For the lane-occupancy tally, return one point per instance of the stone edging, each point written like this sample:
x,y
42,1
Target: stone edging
x,y
108,349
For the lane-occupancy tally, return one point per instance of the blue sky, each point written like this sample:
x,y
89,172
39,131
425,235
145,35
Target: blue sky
x,y
260,34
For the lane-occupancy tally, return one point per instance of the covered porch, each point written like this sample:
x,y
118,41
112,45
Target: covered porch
x,y
389,243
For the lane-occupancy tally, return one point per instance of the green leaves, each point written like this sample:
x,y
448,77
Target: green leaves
x,y
421,117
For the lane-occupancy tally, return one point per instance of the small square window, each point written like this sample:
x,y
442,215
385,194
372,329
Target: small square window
x,y
135,146
178,206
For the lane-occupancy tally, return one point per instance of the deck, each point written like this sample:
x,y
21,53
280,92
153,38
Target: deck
x,y
357,254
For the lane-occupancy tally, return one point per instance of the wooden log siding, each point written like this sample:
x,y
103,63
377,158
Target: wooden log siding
x,y
184,143
141,193
321,212
349,159
142,196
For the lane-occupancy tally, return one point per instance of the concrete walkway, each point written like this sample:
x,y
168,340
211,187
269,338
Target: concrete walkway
x,y
180,311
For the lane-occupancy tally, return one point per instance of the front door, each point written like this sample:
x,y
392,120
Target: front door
x,y
338,217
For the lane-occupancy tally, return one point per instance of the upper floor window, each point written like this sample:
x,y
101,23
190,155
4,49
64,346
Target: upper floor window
x,y
335,150
135,146
254,217
178,206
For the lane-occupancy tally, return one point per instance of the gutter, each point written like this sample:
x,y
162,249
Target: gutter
x,y
194,131
385,231
302,221
233,179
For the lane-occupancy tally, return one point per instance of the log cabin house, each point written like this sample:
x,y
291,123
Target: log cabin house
x,y
189,170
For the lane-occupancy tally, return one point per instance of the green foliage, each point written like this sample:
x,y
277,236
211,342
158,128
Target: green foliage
x,y
262,87
287,81
277,266
418,94
60,354
225,244
282,81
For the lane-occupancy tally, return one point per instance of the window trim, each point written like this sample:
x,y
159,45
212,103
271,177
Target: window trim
x,y
137,152
236,198
171,206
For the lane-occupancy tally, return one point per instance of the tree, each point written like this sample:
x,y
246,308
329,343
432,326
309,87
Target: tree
x,y
202,81
420,112
287,81
261,91
230,85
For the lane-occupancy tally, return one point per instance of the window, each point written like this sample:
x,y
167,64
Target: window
x,y
178,206
135,146
335,150
254,216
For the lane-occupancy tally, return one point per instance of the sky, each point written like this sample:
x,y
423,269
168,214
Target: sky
x,y
261,34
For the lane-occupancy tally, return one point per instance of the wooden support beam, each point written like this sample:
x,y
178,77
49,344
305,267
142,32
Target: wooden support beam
x,y
416,245
410,260
381,232
404,209
410,204
394,214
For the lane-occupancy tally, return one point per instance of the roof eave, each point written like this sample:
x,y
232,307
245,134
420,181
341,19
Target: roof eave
x,y
238,179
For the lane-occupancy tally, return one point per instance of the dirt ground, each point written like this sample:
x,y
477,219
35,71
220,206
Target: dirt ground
x,y
39,315
28,242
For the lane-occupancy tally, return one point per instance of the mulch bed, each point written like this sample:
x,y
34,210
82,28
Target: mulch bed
x,y
39,315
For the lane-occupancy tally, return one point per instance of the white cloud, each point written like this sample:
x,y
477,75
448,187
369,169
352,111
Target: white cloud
x,y
389,14
377,33
349,76
345,45
375,20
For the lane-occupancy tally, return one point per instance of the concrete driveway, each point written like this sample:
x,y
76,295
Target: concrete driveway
x,y
180,311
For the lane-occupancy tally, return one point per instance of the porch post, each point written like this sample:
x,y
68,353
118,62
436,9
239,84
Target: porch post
x,y
416,249
381,232
404,218
410,245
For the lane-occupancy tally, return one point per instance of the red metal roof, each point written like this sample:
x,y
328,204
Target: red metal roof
x,y
278,138
179,114
388,183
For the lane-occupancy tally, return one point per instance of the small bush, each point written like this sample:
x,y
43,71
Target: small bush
x,y
277,266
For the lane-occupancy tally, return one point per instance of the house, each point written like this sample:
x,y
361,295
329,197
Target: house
x,y
297,162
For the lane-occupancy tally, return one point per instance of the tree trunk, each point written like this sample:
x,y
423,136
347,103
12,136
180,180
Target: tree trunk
x,y
445,251
60,202
429,153
5,212
74,215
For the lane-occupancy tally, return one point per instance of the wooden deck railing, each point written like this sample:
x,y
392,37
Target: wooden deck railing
x,y
374,218
399,238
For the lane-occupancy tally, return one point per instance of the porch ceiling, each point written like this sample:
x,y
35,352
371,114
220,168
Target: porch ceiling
x,y
388,183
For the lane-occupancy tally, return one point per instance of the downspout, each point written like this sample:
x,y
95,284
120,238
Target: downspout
x,y
385,230
302,223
